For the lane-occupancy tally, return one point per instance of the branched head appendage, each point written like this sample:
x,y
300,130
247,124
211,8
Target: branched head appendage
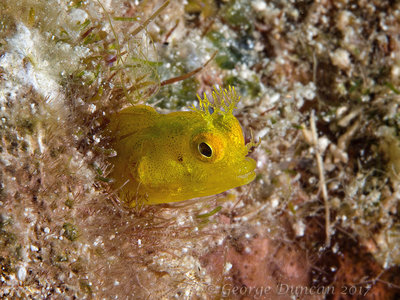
x,y
224,102
252,144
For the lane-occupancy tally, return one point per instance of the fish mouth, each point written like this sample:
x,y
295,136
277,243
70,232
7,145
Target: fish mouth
x,y
247,175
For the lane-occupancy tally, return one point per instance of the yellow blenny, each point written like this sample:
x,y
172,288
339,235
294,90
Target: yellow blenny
x,y
181,155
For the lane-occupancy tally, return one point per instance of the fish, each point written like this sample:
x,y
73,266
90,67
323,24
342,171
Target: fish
x,y
172,157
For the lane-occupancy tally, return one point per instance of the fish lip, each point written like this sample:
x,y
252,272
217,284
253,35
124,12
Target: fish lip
x,y
248,170
248,175
244,171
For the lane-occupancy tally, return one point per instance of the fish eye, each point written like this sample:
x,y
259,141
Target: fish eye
x,y
208,146
205,150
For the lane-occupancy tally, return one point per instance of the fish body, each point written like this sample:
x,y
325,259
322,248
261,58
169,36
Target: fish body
x,y
181,155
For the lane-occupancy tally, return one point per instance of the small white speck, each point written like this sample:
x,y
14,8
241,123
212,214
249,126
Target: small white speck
x,y
139,242
340,111
341,58
274,98
92,108
34,248
96,139
309,94
97,241
262,133
228,267
259,5
299,228
77,15
46,230
395,72
274,202
323,143
259,164
21,274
